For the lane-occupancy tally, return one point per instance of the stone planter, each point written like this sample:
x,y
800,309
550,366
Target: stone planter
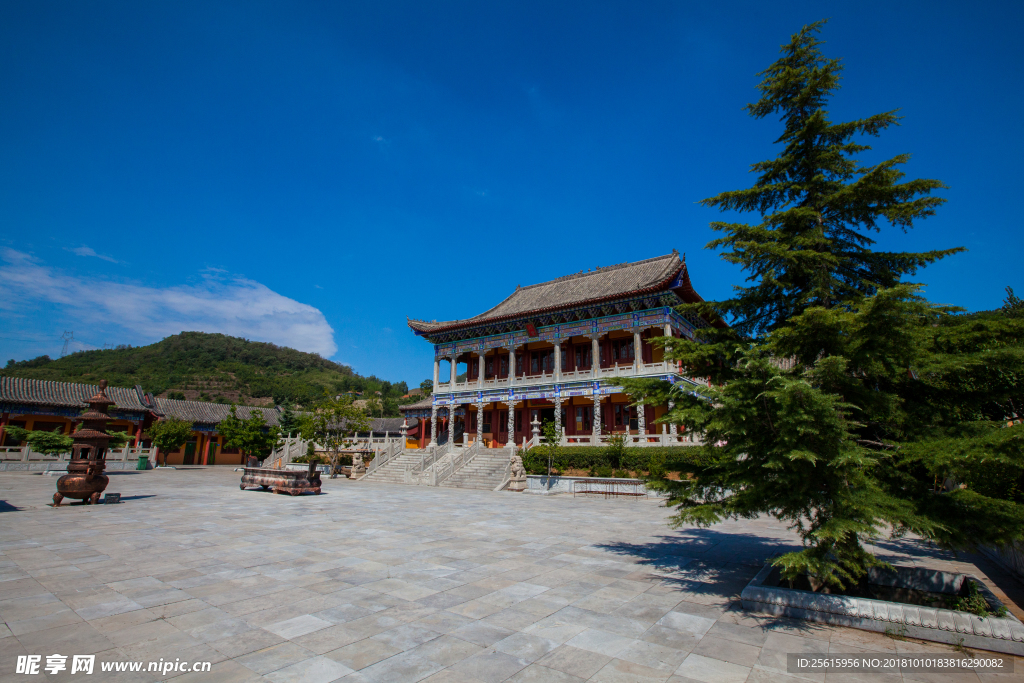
x,y
541,484
998,634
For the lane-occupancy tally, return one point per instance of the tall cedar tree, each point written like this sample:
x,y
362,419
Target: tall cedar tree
x,y
845,439
819,206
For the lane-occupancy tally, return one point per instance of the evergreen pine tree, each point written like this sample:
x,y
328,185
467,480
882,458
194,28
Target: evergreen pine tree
x,y
818,205
830,404
289,423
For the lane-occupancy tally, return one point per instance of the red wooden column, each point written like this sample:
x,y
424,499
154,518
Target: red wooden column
x,y
4,419
206,450
138,433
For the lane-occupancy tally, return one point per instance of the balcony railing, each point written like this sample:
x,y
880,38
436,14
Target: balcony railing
x,y
640,370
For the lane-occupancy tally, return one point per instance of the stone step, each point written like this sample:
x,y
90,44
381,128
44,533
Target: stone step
x,y
484,471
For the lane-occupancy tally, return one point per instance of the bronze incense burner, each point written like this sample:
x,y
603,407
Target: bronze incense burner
x,y
85,479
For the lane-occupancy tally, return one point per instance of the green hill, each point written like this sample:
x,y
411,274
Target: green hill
x,y
211,367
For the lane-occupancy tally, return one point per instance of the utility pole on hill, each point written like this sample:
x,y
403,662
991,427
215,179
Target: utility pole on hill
x,y
67,337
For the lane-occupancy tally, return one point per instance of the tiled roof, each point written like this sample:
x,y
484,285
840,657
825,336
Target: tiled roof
x,y
210,413
601,284
67,394
386,424
418,405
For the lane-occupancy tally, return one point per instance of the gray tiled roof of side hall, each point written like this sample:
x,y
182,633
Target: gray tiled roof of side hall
x,y
418,405
386,424
571,290
210,413
66,394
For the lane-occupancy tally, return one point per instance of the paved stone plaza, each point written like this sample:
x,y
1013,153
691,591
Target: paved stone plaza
x,y
385,583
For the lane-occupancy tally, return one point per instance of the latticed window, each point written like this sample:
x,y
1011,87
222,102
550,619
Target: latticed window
x,y
622,350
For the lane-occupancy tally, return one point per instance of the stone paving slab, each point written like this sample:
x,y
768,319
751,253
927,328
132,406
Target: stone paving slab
x,y
379,583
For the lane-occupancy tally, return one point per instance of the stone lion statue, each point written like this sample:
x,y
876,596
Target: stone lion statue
x,y
518,480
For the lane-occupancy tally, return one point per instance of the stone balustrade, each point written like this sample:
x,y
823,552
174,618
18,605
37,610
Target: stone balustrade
x,y
522,381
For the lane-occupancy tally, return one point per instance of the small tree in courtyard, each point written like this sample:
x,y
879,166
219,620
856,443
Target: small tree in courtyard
x,y
836,401
169,434
42,441
251,435
288,421
332,424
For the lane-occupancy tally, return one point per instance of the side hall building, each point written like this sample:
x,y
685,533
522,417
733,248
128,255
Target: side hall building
x,y
47,405
548,351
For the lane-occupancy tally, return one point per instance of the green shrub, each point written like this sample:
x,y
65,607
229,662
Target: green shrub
x,y
655,460
975,603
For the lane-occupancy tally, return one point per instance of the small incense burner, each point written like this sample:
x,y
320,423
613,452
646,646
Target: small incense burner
x,y
85,479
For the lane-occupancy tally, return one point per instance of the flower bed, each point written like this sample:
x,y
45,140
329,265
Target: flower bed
x,y
999,634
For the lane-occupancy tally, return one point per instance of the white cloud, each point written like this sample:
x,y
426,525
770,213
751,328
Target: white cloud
x,y
221,303
89,251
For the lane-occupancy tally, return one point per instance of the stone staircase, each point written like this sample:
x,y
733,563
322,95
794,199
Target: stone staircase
x,y
394,471
485,471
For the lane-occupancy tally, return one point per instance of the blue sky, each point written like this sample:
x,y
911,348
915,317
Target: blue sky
x,y
310,173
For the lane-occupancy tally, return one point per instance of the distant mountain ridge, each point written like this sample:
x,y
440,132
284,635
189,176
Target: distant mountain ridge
x,y
210,367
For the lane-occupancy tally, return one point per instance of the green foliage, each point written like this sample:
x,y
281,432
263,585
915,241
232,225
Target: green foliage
x,y
41,441
251,435
118,439
891,417
16,433
840,401
169,434
176,395
211,363
616,450
975,603
50,443
543,455
818,205
636,459
331,424
37,362
288,421
1013,306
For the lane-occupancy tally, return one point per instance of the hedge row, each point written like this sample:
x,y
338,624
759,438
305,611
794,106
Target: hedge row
x,y
661,458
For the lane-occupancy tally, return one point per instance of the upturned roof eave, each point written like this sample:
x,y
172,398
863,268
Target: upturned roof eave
x,y
470,322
